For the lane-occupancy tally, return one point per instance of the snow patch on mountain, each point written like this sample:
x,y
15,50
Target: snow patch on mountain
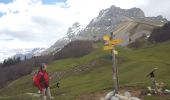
x,y
71,35
24,54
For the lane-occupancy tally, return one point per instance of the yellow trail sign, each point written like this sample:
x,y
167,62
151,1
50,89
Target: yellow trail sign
x,y
106,37
108,47
117,41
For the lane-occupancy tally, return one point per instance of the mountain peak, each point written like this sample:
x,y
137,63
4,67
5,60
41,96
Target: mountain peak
x,y
136,12
76,24
113,15
74,30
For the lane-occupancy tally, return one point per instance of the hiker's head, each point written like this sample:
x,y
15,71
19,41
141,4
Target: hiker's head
x,y
43,66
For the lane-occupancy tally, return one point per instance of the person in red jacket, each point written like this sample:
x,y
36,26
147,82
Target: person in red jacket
x,y
43,83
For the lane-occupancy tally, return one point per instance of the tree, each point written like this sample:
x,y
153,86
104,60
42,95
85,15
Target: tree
x,y
11,61
25,58
18,60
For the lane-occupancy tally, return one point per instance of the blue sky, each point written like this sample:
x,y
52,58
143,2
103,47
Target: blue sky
x,y
43,1
5,1
52,1
1,14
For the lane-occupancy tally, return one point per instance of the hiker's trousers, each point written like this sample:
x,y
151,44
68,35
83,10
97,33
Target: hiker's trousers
x,y
45,94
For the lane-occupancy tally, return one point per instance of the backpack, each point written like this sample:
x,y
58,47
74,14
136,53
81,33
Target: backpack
x,y
35,79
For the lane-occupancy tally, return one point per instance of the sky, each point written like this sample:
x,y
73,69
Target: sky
x,y
26,24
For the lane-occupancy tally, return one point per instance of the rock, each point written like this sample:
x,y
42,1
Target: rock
x,y
167,91
122,97
114,98
109,95
127,94
102,99
134,98
73,31
148,94
158,18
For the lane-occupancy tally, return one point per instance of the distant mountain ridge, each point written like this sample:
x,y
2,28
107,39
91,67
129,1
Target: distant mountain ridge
x,y
108,19
113,15
128,24
29,53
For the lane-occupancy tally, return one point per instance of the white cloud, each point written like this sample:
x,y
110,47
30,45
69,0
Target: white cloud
x,y
156,7
30,23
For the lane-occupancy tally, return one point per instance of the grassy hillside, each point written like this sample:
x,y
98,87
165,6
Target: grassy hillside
x,y
95,73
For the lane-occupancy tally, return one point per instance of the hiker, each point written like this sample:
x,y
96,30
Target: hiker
x,y
42,83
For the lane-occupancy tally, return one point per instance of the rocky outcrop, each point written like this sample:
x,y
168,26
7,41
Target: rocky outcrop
x,y
158,18
114,15
73,31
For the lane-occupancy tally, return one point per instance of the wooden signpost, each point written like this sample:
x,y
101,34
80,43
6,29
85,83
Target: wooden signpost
x,y
109,45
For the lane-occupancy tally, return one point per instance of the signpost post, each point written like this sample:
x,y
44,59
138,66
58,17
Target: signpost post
x,y
115,72
109,45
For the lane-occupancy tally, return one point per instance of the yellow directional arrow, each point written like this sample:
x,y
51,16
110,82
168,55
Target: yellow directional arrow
x,y
117,41
106,37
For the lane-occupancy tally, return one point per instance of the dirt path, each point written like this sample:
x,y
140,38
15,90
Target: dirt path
x,y
76,70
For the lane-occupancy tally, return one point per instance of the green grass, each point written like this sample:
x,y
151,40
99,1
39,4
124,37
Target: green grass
x,y
156,98
65,64
133,65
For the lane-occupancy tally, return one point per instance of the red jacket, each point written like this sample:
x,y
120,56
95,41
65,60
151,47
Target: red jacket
x,y
42,80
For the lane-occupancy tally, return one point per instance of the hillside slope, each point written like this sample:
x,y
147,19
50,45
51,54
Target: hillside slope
x,y
135,28
92,73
